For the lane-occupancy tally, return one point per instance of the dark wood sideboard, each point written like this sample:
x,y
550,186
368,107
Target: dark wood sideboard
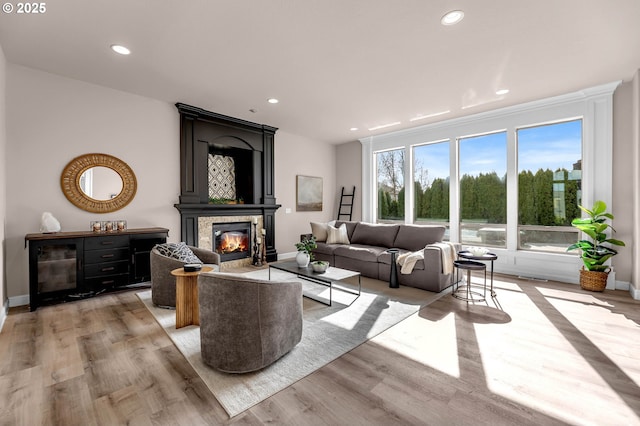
x,y
67,266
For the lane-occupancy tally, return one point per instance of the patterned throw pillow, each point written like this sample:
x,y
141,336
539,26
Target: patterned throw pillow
x,y
179,251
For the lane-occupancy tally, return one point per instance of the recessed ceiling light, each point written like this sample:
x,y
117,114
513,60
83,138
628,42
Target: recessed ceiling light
x,y
120,49
273,100
384,125
502,92
353,129
452,18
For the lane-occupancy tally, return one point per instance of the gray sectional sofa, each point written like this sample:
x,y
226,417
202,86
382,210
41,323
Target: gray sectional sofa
x,y
367,252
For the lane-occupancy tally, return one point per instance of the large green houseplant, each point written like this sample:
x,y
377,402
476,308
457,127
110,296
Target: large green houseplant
x,y
595,251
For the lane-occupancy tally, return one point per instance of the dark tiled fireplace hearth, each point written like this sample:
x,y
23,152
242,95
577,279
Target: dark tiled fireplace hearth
x,y
243,155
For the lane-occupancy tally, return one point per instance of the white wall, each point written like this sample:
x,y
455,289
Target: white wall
x,y
349,173
51,120
3,186
296,155
634,174
623,191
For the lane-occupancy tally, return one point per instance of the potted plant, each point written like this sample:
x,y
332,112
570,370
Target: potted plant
x,y
305,251
595,250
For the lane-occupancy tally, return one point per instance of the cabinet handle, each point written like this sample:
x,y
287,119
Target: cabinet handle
x,y
107,243
111,268
106,256
108,282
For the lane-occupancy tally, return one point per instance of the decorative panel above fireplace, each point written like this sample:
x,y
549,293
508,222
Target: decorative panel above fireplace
x,y
250,147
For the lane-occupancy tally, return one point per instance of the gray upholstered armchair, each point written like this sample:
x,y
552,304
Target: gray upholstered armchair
x,y
163,284
247,324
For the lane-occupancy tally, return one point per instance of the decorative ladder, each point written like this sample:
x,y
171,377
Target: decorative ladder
x,y
345,208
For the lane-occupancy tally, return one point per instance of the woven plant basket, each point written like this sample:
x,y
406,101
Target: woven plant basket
x,y
593,280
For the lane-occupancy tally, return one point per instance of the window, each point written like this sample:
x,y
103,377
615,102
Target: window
x,y
390,179
498,153
431,184
483,189
549,185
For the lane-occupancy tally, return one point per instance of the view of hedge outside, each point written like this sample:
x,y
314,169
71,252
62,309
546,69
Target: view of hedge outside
x,y
390,176
549,186
483,189
431,184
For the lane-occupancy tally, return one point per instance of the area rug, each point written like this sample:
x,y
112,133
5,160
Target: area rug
x,y
328,333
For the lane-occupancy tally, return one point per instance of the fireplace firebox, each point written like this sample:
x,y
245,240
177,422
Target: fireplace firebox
x,y
232,240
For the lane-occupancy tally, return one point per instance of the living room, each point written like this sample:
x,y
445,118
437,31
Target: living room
x,y
49,115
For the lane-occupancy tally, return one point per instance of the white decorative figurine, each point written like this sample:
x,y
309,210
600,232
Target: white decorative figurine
x,y
49,223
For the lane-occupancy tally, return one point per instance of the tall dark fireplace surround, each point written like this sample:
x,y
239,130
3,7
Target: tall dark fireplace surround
x,y
250,145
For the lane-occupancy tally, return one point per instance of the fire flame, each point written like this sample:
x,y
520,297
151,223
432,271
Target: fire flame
x,y
231,242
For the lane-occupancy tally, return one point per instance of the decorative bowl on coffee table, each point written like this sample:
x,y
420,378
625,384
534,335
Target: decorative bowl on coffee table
x,y
319,266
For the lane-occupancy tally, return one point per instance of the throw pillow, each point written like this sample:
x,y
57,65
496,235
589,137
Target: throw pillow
x,y
337,235
178,251
319,230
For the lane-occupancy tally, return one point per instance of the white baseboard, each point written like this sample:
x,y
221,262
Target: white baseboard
x,y
19,300
290,255
3,313
634,292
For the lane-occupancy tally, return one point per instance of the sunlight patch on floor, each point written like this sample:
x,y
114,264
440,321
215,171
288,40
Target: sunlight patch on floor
x,y
430,342
541,362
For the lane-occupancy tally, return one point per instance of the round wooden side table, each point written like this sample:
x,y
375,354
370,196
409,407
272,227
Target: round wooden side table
x,y
187,310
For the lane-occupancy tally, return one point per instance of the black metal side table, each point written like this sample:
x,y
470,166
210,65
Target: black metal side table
x,y
465,292
487,257
393,276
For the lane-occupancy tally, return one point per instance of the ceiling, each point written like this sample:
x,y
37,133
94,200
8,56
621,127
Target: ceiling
x,y
333,64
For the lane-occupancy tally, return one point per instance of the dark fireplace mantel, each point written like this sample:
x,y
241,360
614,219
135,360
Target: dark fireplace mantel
x,y
204,132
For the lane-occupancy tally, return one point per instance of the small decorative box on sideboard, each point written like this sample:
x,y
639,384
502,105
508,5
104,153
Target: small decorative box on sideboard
x,y
73,265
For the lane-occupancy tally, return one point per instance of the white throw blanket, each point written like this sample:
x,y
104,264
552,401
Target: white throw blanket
x,y
447,254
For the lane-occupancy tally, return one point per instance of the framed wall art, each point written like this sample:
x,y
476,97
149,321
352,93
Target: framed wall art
x,y
308,193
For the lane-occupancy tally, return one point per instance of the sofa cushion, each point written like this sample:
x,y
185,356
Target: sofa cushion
x,y
178,251
416,237
351,226
320,229
375,234
337,235
324,248
359,252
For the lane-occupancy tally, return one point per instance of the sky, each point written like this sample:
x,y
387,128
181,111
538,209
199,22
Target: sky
x,y
551,146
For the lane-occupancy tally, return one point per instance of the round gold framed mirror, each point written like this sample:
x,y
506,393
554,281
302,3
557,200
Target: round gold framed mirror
x,y
98,183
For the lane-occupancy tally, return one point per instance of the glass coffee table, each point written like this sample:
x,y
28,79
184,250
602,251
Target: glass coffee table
x,y
330,278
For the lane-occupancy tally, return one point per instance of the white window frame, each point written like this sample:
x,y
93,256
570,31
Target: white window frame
x,y
593,105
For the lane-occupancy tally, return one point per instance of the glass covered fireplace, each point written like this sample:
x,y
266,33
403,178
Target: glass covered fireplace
x,y
232,240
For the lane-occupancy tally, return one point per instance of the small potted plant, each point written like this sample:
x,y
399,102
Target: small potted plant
x,y
594,252
305,251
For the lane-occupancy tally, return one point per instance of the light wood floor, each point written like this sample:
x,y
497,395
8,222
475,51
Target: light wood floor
x,y
553,354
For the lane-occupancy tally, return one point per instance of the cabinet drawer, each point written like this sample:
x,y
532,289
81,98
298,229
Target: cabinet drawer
x,y
107,268
108,255
108,241
106,282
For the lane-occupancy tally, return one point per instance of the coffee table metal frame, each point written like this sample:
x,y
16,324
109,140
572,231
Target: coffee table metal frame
x,y
327,279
